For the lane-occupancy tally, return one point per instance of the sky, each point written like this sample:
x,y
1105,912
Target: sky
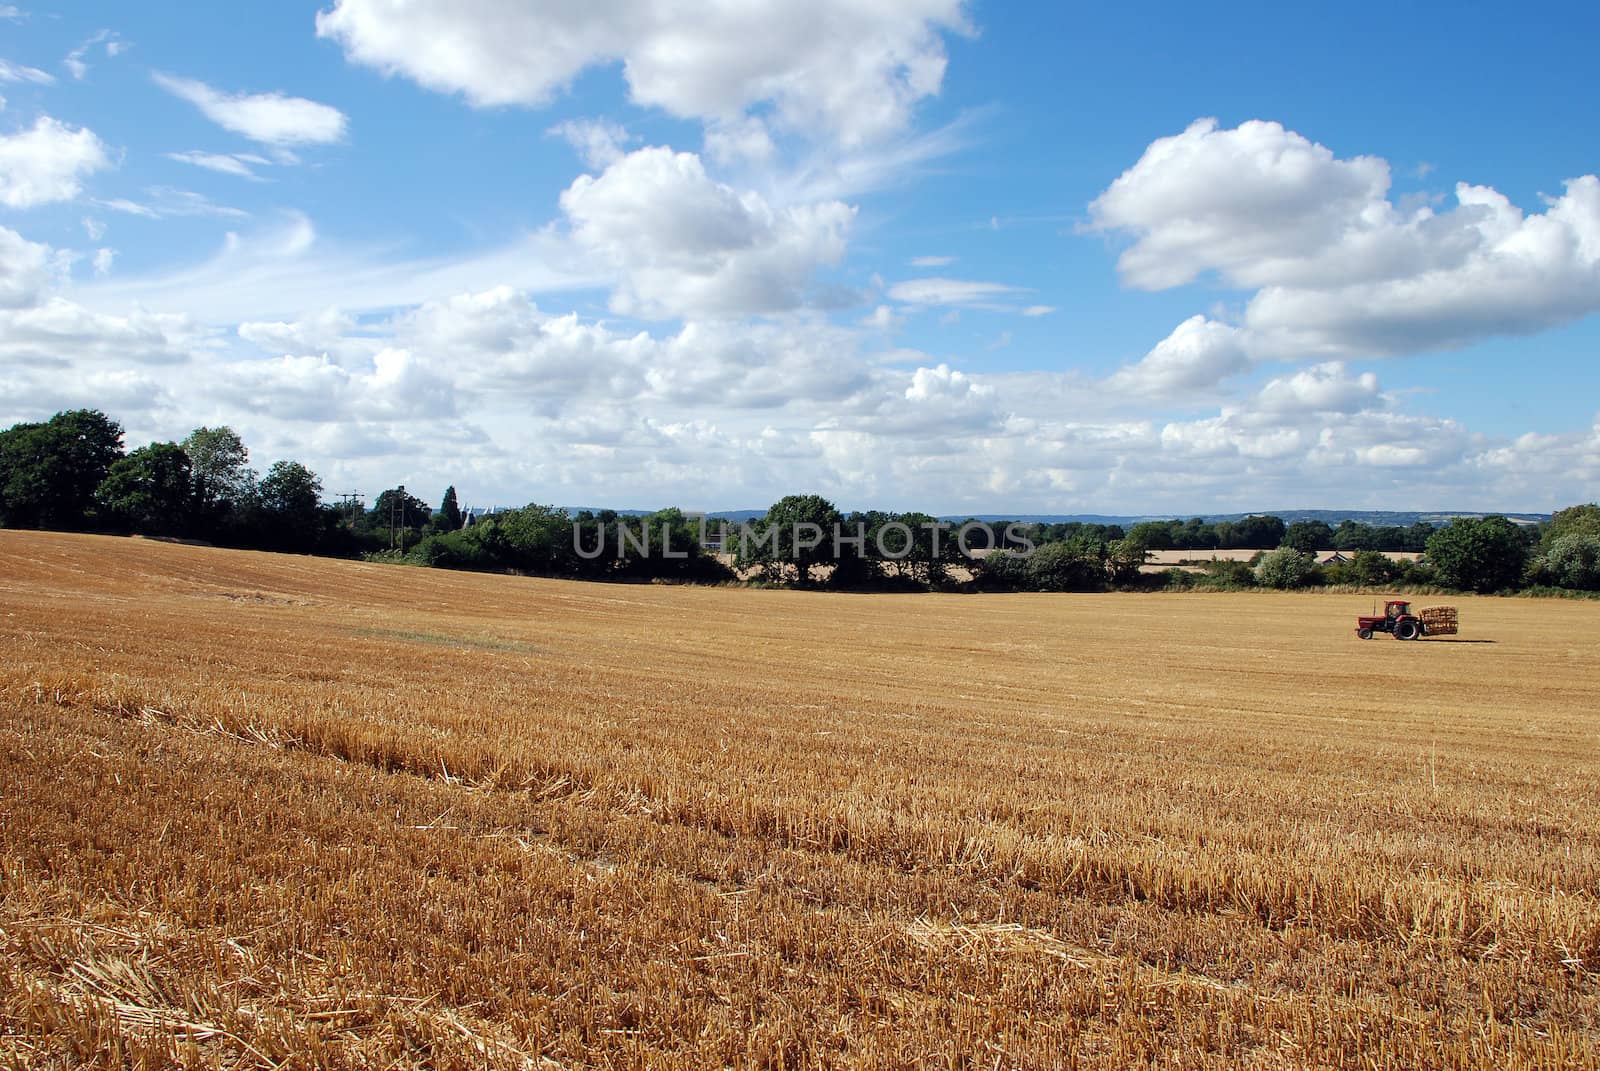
x,y
957,257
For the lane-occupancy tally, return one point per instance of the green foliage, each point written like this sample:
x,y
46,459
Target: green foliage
x,y
1307,536
288,489
1079,565
1572,561
150,491
398,509
1260,531
1286,568
796,535
1482,555
855,572
1366,568
449,516
219,464
1371,568
49,472
1124,559
1176,579
1155,535
1353,535
460,549
1225,574
289,511
1577,520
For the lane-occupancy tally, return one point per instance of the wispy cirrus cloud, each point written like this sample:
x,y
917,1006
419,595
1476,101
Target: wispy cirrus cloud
x,y
241,164
269,118
14,72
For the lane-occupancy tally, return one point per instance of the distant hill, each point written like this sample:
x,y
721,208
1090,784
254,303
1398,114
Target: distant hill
x,y
1376,518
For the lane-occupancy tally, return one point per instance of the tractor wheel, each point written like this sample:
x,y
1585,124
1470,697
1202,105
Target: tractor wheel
x,y
1406,630
1365,633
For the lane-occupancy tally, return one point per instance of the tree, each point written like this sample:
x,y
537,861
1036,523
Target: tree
x,y
1577,520
1353,535
220,466
930,549
1308,536
535,538
449,511
1572,561
289,498
49,472
1261,531
1125,559
150,491
1371,568
1078,565
1157,535
1286,568
797,533
1482,555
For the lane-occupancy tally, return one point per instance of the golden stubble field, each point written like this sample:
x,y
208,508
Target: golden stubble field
x,y
267,811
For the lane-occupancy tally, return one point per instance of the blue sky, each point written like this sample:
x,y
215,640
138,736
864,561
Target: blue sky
x,y
907,253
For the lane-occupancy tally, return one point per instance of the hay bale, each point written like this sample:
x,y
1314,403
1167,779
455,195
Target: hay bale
x,y
1440,621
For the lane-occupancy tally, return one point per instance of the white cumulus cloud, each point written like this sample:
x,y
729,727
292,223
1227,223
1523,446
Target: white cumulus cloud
x,y
25,269
1338,269
47,163
852,69
686,245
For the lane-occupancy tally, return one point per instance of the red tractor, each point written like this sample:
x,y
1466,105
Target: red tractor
x,y
1402,624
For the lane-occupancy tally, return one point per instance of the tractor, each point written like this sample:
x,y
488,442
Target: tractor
x,y
1402,624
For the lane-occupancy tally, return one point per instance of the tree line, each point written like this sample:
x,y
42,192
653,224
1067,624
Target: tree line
x,y
71,473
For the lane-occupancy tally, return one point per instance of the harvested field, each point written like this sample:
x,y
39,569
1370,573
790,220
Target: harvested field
x,y
269,811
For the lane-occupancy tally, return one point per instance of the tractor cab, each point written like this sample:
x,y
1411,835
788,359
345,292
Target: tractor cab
x,y
1395,609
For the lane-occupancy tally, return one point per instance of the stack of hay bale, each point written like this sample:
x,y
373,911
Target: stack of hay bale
x,y
1439,621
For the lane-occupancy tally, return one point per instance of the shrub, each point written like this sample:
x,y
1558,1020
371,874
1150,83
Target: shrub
x,y
1001,571
1286,569
1072,566
452,550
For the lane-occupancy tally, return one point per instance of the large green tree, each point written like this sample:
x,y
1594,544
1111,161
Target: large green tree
x,y
796,535
49,472
449,516
150,491
220,466
289,507
1478,554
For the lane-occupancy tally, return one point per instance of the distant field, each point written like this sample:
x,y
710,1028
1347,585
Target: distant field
x,y
1159,560
266,811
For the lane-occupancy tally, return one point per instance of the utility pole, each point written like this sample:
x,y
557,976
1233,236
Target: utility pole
x,y
397,504
350,505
